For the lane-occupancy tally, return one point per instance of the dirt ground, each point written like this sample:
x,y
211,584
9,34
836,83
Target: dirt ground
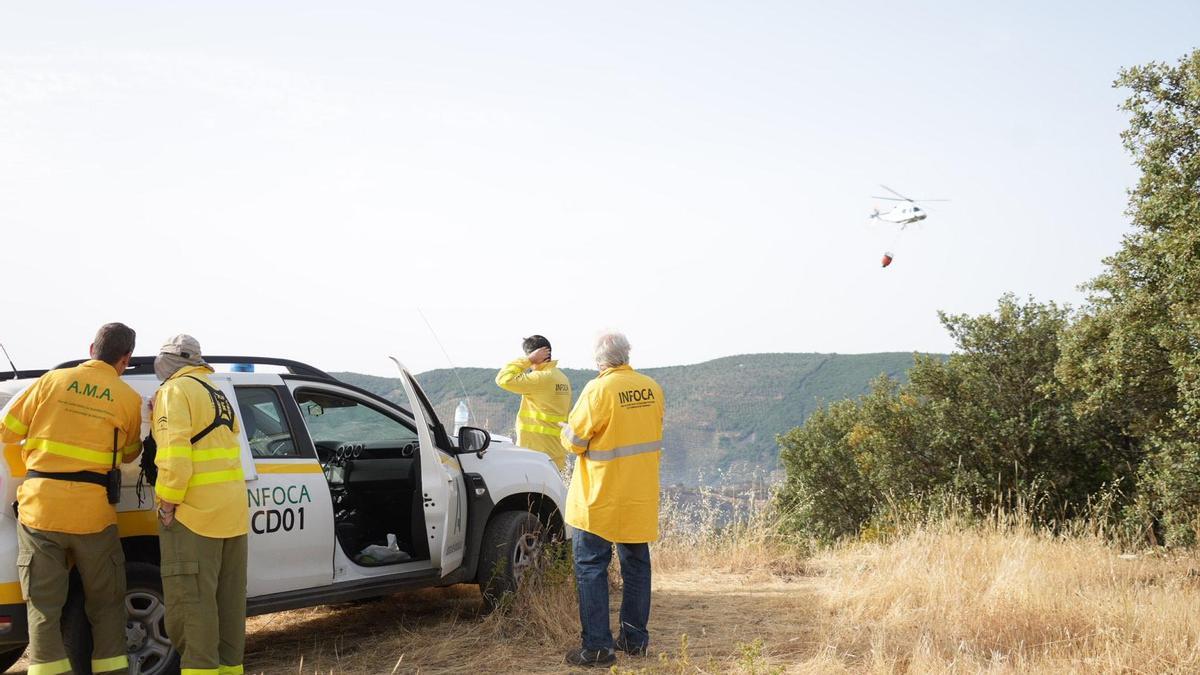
x,y
720,615
443,631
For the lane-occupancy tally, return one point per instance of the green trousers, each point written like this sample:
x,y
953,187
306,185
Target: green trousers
x,y
204,585
44,569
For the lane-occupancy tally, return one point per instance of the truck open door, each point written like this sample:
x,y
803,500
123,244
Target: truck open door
x,y
442,484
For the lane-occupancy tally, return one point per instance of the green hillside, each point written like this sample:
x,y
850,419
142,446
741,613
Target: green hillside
x,y
722,415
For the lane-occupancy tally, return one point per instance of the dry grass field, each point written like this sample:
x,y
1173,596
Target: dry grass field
x,y
938,600
943,598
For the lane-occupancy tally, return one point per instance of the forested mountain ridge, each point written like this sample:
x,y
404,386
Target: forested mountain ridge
x,y
722,416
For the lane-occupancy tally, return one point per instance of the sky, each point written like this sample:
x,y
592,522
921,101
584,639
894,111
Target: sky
x,y
340,182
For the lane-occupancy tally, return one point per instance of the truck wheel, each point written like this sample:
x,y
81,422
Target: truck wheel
x,y
8,658
513,546
150,651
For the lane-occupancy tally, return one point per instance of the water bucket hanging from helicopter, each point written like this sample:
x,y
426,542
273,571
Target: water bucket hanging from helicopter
x,y
904,214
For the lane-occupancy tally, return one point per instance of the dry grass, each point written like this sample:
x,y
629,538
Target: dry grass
x,y
1005,599
735,533
997,597
431,632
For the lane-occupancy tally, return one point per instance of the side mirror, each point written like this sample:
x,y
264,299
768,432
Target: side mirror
x,y
473,440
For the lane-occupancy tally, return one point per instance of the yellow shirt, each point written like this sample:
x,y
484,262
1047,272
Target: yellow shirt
x,y
616,430
545,399
66,421
204,478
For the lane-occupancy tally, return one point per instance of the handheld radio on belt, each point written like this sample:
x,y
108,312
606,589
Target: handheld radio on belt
x,y
110,481
113,484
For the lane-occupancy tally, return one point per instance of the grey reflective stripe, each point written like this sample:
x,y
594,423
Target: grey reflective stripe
x,y
575,440
623,451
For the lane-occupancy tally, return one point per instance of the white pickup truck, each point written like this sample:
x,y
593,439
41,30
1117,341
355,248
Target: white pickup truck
x,y
350,495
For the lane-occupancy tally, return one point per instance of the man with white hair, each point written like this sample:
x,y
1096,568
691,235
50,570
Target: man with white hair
x,y
615,429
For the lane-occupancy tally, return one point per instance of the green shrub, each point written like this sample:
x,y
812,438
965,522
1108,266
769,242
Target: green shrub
x,y
989,425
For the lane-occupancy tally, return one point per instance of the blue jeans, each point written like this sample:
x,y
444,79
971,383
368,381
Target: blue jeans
x,y
592,556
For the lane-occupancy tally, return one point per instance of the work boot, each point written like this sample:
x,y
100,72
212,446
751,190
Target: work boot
x,y
623,645
591,657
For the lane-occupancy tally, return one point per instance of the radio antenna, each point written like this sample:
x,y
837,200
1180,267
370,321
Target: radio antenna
x,y
9,359
453,368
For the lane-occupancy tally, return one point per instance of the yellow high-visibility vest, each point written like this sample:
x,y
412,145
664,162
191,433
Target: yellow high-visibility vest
x,y
616,430
66,421
545,399
205,478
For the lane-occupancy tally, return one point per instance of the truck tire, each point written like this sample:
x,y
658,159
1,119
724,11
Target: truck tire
x,y
150,651
8,658
513,545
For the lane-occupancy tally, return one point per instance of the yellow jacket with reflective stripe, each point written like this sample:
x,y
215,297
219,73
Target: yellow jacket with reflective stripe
x,y
66,420
204,479
545,400
616,429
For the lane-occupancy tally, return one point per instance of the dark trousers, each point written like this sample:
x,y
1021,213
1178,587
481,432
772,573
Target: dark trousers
x,y
592,557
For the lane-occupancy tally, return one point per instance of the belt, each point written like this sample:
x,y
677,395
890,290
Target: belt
x,y
75,476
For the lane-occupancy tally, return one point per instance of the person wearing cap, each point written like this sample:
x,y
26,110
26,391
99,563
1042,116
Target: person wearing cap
x,y
545,398
203,513
74,425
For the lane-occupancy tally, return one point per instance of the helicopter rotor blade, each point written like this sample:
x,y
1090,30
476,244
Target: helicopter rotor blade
x,y
894,192
890,199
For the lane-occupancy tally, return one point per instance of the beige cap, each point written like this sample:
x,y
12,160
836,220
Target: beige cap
x,y
182,345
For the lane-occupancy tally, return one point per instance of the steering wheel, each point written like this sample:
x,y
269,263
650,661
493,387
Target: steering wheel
x,y
326,451
280,447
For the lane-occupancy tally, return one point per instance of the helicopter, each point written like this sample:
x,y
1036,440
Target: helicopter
x,y
902,214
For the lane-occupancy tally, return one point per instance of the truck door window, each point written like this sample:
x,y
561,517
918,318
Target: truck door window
x,y
332,418
265,424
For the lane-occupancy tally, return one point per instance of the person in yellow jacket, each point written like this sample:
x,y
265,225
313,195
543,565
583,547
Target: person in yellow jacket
x,y
203,513
545,398
616,430
75,425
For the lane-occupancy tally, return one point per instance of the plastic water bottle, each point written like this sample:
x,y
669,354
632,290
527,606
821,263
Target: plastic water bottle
x,y
461,416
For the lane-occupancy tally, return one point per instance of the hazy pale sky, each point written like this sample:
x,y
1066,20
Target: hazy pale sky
x,y
298,179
